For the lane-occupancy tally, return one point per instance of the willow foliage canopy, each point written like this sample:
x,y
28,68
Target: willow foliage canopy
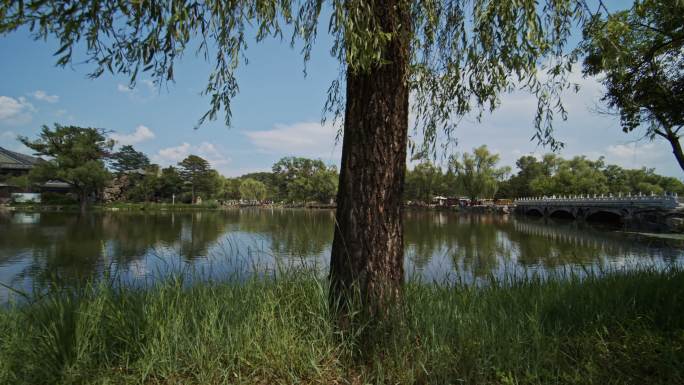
x,y
464,53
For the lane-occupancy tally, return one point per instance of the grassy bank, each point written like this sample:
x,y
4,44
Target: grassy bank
x,y
625,328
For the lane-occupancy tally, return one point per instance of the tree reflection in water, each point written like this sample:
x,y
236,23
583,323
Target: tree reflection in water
x,y
289,233
475,243
38,248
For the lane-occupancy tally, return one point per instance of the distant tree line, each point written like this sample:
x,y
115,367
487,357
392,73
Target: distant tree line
x,y
84,158
292,180
553,175
476,176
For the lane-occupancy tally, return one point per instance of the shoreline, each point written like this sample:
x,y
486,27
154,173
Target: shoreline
x,y
153,206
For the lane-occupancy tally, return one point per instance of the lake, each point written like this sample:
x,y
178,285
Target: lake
x,y
37,249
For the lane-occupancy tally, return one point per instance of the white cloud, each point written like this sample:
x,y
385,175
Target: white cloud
x,y
15,111
174,154
123,88
45,97
206,150
303,138
637,154
149,83
61,112
645,152
141,134
139,93
209,149
625,151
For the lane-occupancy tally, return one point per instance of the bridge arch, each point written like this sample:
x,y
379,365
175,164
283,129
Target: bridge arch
x,y
561,214
534,212
606,216
621,209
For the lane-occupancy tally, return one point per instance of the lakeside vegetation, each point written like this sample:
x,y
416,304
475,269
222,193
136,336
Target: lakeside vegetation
x,y
73,207
550,175
622,328
127,177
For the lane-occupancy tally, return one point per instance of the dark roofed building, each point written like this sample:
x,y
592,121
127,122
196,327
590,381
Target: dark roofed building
x,y
13,163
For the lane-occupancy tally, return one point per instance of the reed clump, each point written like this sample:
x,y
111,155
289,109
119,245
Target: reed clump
x,y
619,328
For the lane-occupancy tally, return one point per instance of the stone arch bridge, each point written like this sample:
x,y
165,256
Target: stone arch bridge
x,y
657,209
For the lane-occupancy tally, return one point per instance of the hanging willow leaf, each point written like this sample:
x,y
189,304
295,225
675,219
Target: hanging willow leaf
x,y
465,53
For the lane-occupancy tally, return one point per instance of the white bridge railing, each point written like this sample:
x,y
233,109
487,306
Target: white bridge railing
x,y
667,201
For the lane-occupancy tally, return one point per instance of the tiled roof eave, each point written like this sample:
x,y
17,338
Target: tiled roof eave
x,y
14,166
17,158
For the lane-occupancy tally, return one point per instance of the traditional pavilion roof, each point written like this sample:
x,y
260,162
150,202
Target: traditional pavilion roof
x,y
10,160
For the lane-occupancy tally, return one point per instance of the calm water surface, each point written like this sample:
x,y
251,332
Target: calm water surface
x,y
39,248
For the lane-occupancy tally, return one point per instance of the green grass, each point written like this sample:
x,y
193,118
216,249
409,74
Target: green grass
x,y
624,328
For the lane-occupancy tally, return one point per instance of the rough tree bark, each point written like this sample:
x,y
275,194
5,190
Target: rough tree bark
x,y
676,147
368,249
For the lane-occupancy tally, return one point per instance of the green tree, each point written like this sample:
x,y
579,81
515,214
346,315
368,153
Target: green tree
x,y
145,186
554,175
529,169
671,185
230,189
252,190
197,173
269,180
302,179
646,181
170,183
22,182
323,184
617,179
476,174
424,182
76,156
214,184
128,159
640,54
454,57
649,188
578,175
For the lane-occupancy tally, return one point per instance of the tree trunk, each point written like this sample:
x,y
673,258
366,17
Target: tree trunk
x,y
676,147
368,249
83,200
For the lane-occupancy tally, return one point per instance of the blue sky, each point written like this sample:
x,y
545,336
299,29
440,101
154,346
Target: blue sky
x,y
277,112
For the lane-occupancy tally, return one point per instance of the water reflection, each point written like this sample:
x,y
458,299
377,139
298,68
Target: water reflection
x,y
36,249
290,233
